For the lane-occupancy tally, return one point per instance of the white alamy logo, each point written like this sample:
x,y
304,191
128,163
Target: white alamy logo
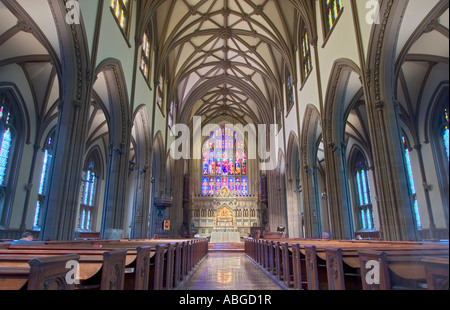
x,y
73,14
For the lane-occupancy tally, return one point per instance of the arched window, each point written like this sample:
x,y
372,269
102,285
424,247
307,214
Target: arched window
x,y
332,10
361,177
146,55
224,164
47,161
8,137
89,189
412,188
305,52
443,130
122,12
160,93
290,92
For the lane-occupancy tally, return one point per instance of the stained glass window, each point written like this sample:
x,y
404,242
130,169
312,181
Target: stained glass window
x,y
8,140
89,185
364,195
290,91
412,187
332,10
224,164
444,131
44,179
122,12
5,154
7,131
145,55
160,92
305,54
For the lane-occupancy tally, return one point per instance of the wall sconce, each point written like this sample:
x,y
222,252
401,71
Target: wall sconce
x,y
324,196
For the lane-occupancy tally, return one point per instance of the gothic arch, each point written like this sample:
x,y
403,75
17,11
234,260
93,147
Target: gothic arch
x,y
110,85
343,91
310,138
139,180
293,187
142,137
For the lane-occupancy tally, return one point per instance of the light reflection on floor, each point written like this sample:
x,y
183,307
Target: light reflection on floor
x,y
229,271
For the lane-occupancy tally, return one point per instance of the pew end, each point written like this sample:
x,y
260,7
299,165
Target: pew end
x,y
437,272
49,273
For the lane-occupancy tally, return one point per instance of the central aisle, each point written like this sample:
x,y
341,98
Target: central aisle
x,y
229,271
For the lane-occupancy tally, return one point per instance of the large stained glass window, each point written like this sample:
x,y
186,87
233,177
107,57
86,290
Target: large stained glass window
x,y
364,195
412,187
224,164
44,180
332,9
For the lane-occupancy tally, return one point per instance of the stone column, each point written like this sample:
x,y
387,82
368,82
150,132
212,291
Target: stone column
x,y
60,209
312,208
338,193
394,202
115,188
139,225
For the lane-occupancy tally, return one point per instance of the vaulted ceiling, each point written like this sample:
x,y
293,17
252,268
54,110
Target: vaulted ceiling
x,y
226,57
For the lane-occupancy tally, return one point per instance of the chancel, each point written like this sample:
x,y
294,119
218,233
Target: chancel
x,y
186,131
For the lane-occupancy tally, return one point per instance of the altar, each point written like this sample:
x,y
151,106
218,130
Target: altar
x,y
225,236
225,230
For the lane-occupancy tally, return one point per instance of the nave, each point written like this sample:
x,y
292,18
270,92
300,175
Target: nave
x,y
229,271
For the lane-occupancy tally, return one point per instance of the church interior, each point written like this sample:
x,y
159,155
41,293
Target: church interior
x,y
224,120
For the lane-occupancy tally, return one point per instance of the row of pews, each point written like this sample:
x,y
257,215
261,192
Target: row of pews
x,y
319,264
139,264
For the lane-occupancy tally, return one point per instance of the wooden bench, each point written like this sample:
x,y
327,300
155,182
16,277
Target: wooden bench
x,y
315,264
96,270
44,273
398,269
149,264
437,273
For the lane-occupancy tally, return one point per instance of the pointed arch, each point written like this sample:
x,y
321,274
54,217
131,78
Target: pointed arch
x,y
293,187
310,141
111,87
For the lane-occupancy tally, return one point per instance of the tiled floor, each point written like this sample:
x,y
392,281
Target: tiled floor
x,y
229,271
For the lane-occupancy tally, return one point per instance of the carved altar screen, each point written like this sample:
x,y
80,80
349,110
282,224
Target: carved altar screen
x,y
224,164
224,218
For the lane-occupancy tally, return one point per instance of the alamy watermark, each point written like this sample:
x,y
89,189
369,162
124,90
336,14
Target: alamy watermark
x,y
73,15
374,12
373,272
73,275
372,16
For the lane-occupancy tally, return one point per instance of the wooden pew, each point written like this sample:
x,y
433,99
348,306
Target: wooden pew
x,y
89,267
113,271
186,254
44,273
142,269
309,259
340,275
437,273
398,269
